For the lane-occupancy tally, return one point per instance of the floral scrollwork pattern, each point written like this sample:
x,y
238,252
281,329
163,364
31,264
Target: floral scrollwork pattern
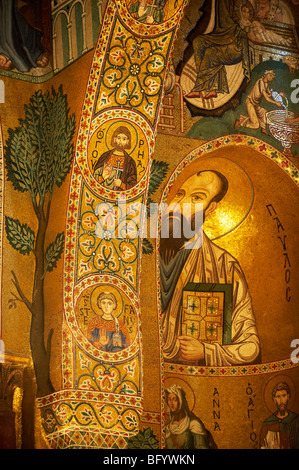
x,y
133,72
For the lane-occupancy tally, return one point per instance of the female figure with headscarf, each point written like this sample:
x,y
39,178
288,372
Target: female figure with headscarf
x,y
185,430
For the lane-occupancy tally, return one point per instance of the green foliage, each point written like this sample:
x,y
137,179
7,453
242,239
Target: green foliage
x,y
54,252
20,236
38,157
157,174
39,152
147,247
143,440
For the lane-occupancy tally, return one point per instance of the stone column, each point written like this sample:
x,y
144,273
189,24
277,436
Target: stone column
x,y
13,375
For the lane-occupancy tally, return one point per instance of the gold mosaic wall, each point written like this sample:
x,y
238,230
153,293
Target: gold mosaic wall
x,y
177,102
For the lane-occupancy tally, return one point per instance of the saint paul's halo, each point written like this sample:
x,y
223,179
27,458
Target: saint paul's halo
x,y
228,215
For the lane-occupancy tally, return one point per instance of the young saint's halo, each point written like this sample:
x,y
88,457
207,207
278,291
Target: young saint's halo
x,y
106,288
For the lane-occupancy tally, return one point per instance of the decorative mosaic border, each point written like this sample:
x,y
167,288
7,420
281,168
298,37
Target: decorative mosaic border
x,y
265,149
150,417
79,437
1,221
89,412
236,371
96,438
88,396
27,77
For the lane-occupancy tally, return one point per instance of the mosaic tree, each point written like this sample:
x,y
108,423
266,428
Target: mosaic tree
x,y
157,175
38,157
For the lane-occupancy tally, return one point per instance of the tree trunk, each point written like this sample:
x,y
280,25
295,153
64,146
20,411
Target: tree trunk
x,y
40,355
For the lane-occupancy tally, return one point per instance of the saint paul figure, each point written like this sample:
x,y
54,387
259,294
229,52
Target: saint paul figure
x,y
202,267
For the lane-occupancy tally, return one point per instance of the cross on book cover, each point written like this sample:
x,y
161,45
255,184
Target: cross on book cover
x,y
206,312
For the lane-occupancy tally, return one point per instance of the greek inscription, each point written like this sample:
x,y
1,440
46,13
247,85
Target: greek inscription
x,y
216,410
250,415
283,240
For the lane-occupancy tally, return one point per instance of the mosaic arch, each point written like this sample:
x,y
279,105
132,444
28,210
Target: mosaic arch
x,y
100,403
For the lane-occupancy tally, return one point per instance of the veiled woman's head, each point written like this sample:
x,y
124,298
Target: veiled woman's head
x,y
176,399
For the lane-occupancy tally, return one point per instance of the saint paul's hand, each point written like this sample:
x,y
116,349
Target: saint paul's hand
x,y
191,349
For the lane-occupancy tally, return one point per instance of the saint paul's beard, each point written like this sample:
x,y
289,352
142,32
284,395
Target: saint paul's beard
x,y
174,239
